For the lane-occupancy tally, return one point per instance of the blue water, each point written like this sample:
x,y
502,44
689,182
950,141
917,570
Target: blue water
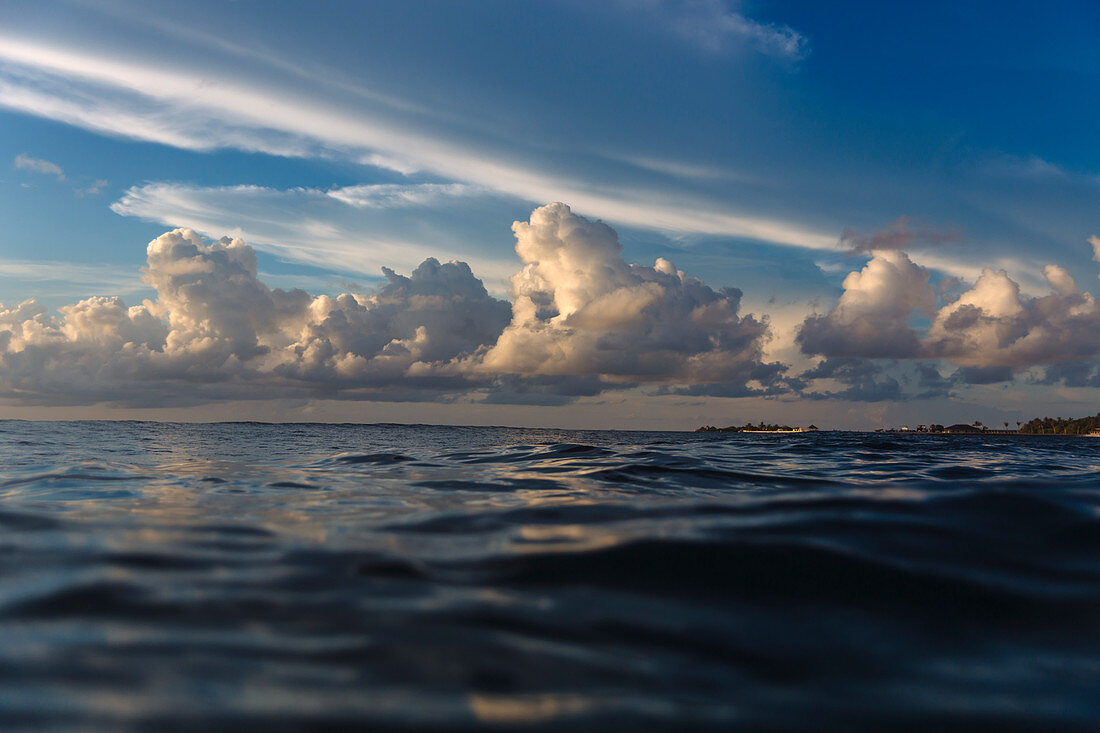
x,y
255,576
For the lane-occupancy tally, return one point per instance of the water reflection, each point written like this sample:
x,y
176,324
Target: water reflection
x,y
421,576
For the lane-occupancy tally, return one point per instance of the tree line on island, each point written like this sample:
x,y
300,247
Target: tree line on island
x,y
1062,426
1035,426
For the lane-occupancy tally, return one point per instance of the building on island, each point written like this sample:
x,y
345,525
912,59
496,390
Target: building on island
x,y
961,428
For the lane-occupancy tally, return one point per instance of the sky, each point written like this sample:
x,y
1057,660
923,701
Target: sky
x,y
640,214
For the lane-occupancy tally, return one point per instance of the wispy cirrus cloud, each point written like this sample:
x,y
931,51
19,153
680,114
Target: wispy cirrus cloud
x,y
94,189
398,196
59,278
354,229
715,26
39,165
153,100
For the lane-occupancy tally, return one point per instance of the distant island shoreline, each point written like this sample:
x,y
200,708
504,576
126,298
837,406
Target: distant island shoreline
x,y
760,428
1083,426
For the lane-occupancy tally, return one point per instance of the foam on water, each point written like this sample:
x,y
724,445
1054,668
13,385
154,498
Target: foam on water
x,y
286,576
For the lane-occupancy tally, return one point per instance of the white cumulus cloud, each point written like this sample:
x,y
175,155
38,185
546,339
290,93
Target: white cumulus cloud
x,y
214,329
583,320
992,325
871,319
580,309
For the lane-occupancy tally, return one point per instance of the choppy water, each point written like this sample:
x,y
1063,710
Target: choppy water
x,y
292,576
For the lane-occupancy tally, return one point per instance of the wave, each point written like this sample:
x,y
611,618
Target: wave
x,y
417,577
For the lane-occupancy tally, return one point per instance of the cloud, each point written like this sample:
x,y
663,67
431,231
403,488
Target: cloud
x,y
216,330
93,190
678,169
931,383
712,26
992,324
898,235
880,380
983,375
1095,242
38,165
173,102
871,319
66,277
583,321
1072,374
397,196
580,309
989,330
859,379
357,229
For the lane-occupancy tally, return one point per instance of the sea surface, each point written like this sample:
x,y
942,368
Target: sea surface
x,y
245,576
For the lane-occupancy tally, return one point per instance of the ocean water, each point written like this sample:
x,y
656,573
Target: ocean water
x,y
254,576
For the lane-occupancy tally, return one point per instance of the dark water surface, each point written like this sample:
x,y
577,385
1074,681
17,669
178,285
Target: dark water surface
x,y
254,576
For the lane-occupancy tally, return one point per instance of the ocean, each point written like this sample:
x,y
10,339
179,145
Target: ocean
x,y
302,576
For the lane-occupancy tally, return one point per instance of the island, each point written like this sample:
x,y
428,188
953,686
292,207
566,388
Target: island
x,y
1083,426
762,427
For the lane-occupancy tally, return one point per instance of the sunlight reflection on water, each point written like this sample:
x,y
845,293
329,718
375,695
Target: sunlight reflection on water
x,y
425,576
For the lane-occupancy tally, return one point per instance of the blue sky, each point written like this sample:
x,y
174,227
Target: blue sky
x,y
741,141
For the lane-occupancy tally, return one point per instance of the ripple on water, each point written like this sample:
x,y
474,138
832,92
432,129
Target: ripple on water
x,y
418,577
